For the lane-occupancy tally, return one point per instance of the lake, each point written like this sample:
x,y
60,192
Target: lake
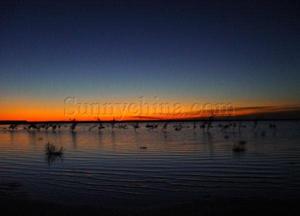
x,y
151,169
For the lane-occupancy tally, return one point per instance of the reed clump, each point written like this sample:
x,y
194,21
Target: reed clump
x,y
52,150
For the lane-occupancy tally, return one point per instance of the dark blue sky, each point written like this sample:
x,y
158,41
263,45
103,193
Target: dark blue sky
x,y
212,50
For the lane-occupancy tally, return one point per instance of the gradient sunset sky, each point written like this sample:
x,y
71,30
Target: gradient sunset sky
x,y
241,52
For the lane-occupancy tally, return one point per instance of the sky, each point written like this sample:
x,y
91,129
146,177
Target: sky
x,y
241,53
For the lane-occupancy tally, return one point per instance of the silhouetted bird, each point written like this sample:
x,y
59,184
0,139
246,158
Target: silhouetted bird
x,y
73,126
13,127
136,126
151,126
178,127
113,123
100,125
54,127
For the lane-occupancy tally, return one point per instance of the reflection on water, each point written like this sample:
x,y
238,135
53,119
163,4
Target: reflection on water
x,y
121,165
53,158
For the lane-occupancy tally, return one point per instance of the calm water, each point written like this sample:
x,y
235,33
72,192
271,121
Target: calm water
x,y
114,167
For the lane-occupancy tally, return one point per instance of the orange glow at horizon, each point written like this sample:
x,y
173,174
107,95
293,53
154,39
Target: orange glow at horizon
x,y
52,113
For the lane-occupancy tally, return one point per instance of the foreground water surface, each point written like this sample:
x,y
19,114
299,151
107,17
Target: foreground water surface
x,y
148,168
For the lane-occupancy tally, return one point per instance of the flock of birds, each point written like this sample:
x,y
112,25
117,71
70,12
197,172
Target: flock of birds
x,y
204,125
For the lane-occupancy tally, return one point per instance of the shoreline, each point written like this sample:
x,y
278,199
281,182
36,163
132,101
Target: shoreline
x,y
25,122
